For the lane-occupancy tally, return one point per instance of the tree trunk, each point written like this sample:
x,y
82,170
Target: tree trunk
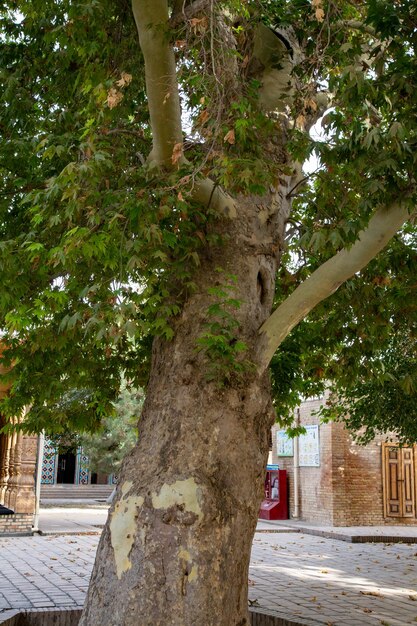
x,y
177,544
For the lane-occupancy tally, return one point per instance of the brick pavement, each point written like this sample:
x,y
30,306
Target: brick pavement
x,y
310,579
325,581
44,572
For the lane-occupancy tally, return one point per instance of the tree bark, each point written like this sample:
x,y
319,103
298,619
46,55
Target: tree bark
x,y
324,281
176,546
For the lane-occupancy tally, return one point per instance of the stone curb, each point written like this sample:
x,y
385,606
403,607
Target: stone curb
x,y
70,616
330,534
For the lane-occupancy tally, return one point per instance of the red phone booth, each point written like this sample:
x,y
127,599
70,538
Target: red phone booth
x,y
275,503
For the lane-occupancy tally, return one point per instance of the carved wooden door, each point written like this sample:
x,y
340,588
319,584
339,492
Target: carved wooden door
x,y
399,481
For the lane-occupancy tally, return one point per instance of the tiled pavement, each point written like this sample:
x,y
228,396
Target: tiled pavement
x,y
307,578
325,581
45,572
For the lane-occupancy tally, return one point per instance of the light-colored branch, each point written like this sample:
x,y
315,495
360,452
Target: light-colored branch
x,y
152,21
213,197
357,25
328,277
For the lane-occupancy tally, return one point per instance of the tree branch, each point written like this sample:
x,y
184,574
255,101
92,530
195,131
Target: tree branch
x,y
214,197
357,25
328,277
152,21
122,131
184,13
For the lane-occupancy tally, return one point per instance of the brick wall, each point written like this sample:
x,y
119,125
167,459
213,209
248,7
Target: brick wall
x,y
357,481
347,489
18,523
316,493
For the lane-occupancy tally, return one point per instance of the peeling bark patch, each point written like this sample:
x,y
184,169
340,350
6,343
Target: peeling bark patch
x,y
182,492
123,527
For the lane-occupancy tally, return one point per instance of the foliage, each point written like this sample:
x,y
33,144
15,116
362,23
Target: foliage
x,y
220,342
99,251
107,447
361,346
385,400
113,438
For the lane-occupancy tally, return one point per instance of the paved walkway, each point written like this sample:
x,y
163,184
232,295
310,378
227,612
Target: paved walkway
x,y
72,519
306,578
325,581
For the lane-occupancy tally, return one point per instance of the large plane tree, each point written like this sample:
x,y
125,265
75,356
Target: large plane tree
x,y
156,222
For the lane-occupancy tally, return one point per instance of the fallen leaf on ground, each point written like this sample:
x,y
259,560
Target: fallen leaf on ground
x,y
372,593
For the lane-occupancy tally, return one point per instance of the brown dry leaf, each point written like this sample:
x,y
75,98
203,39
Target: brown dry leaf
x,y
230,136
180,44
413,598
180,197
367,610
372,593
324,571
199,25
114,98
313,599
310,104
319,15
300,122
203,117
176,153
125,79
316,3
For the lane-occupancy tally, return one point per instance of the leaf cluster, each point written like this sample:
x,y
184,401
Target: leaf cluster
x,y
220,342
98,251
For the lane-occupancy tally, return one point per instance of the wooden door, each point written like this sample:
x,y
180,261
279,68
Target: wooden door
x,y
399,481
408,486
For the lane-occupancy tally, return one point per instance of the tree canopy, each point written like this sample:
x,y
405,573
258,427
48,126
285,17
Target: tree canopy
x,y
156,223
99,245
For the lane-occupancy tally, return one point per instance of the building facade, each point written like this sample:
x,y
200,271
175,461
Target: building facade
x,y
17,477
70,468
341,483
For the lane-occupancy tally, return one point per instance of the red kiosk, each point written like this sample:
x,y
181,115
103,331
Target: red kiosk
x,y
275,503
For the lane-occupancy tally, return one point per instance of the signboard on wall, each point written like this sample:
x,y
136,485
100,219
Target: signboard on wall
x,y
309,448
285,444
